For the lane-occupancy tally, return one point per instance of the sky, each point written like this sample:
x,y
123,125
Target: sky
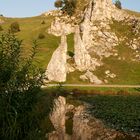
x,y
27,8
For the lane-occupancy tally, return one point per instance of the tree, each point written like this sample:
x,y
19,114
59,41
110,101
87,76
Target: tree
x,y
14,27
118,4
20,82
67,6
58,3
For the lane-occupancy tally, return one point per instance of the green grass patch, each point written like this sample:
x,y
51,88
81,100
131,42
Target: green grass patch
x,y
133,13
127,72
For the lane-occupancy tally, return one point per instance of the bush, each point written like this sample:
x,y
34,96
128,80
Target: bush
x,y
118,4
41,36
20,83
14,27
68,6
58,3
43,22
1,29
70,53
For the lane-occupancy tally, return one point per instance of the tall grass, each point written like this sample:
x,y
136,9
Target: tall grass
x,y
20,82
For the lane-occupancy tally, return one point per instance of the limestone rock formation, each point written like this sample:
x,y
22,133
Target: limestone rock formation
x,y
94,38
91,77
58,27
81,57
56,70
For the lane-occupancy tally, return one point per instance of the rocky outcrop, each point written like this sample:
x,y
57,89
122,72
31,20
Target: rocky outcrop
x,y
58,27
94,39
109,74
91,77
81,57
104,10
57,67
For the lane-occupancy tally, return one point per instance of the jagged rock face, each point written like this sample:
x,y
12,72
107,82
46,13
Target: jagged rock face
x,y
57,69
99,10
58,27
82,58
104,10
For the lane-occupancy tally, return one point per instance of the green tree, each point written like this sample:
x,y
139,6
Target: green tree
x,y
67,6
58,3
14,27
118,4
20,82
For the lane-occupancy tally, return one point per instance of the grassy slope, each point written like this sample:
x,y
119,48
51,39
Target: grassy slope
x,y
30,29
127,71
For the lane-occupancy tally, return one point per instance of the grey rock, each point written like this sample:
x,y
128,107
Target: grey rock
x,y
91,77
59,26
57,67
81,57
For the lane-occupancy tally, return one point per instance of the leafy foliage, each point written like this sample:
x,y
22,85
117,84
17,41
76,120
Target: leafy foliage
x,y
58,3
41,36
70,53
14,27
118,4
20,82
68,6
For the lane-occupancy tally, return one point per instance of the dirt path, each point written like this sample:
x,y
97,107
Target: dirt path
x,y
91,85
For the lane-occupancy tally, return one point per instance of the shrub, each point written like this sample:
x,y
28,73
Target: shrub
x,y
58,3
14,27
43,22
41,36
1,29
68,6
118,4
20,83
70,53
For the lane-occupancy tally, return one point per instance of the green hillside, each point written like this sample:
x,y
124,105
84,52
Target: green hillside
x,y
127,72
30,30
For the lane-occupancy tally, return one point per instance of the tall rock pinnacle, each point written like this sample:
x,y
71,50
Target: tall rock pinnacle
x,y
56,70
